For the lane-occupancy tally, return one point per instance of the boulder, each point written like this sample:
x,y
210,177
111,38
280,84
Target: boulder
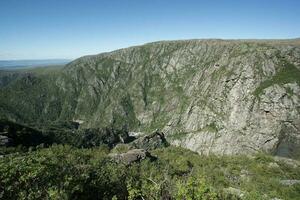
x,y
291,162
235,192
150,142
4,140
289,182
131,156
273,165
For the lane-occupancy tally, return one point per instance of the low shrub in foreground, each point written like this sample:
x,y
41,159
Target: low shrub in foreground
x,y
65,172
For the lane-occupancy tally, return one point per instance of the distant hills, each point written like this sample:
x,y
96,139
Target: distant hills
x,y
18,64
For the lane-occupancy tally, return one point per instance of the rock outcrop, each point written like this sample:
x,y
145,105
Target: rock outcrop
x,y
131,156
4,140
152,141
211,96
289,182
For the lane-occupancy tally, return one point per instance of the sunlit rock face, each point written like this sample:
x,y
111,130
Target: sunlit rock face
x,y
210,96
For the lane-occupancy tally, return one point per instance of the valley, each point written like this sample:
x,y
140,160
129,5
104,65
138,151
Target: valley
x,y
186,119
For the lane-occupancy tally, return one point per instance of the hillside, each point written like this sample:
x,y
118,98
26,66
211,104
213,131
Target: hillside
x,y
210,96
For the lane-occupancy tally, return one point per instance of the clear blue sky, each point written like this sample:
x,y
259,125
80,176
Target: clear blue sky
x,y
39,29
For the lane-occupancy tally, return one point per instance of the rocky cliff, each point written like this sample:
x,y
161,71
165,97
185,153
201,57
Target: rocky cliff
x,y
211,96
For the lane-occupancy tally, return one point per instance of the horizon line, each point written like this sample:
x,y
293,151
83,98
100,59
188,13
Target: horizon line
x,y
155,41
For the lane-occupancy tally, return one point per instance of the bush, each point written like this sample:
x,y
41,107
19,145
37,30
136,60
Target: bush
x,y
194,189
66,172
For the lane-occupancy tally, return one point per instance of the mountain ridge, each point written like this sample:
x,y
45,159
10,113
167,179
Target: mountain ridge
x,y
294,41
211,96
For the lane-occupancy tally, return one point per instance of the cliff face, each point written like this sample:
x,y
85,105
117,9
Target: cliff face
x,y
211,96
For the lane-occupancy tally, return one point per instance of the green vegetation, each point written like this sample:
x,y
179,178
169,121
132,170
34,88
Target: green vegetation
x,y
43,70
125,119
212,127
32,98
65,172
288,74
177,136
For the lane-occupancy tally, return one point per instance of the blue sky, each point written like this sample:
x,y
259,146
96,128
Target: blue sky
x,y
40,29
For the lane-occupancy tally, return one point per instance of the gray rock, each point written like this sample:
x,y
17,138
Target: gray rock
x,y
149,142
273,165
4,140
234,191
289,182
131,156
245,175
291,162
136,134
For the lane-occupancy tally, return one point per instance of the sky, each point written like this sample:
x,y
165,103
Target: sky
x,y
46,29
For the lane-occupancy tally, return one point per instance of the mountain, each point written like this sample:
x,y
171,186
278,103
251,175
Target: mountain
x,y
210,96
21,64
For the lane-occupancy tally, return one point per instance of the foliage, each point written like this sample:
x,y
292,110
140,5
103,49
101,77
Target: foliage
x,y
287,74
65,172
194,188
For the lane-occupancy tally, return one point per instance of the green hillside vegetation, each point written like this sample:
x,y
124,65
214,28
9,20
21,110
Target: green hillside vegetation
x,y
43,70
78,166
65,172
115,87
289,73
65,130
